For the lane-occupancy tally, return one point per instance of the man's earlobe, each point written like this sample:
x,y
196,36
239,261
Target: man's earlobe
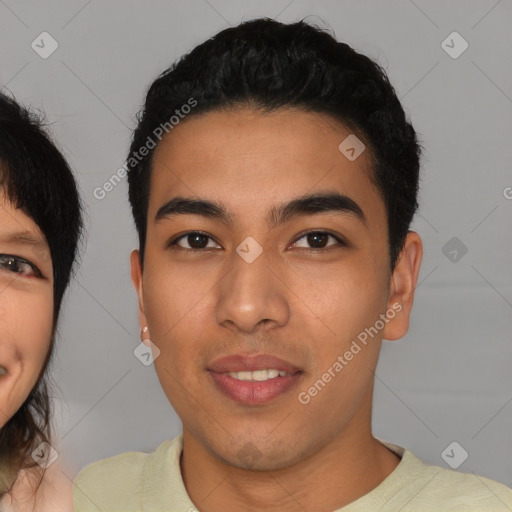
x,y
403,285
144,333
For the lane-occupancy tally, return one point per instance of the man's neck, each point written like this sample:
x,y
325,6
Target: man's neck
x,y
341,472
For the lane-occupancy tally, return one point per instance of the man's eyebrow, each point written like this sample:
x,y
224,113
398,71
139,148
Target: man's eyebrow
x,y
310,204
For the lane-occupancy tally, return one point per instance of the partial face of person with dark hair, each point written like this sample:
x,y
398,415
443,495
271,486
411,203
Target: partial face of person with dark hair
x,y
26,306
251,286
38,247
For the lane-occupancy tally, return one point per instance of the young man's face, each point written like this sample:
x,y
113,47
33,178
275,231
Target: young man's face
x,y
305,299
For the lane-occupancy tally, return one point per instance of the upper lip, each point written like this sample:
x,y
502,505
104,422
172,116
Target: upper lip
x,y
240,363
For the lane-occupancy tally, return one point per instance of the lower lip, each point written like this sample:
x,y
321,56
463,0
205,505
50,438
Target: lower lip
x,y
254,392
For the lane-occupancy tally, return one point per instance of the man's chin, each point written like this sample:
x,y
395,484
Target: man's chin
x,y
250,455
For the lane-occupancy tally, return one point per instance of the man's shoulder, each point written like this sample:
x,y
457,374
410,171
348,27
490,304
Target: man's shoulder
x,y
451,490
107,482
469,491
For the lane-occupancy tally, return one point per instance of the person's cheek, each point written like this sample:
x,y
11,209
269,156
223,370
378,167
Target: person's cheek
x,y
28,319
351,305
174,297
166,313
36,338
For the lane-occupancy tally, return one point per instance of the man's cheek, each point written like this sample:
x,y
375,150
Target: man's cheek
x,y
163,313
177,358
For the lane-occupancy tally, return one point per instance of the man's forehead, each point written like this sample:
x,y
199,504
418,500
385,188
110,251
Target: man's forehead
x,y
253,173
247,133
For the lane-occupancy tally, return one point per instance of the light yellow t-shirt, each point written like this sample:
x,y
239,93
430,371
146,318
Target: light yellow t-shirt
x,y
137,481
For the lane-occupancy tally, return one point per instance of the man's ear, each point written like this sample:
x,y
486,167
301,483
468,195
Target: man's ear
x,y
136,274
402,287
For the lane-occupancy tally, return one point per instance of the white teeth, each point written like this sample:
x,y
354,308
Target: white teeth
x,y
260,375
257,375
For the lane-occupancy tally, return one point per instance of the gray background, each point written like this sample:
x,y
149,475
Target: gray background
x,y
450,379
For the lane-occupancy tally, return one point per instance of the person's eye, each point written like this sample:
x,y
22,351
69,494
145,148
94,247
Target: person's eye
x,y
318,240
196,241
19,265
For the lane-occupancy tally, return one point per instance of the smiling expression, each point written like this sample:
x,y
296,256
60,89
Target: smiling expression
x,y
278,183
26,306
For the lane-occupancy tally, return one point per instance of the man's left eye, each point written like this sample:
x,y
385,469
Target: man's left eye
x,y
318,239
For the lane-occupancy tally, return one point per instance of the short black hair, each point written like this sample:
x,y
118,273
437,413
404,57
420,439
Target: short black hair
x,y
268,65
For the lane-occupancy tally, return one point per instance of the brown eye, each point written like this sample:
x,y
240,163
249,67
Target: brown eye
x,y
319,240
196,240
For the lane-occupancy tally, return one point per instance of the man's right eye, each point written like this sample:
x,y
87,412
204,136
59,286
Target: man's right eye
x,y
197,241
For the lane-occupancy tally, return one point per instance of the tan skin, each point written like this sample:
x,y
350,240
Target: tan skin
x,y
24,294
26,321
294,301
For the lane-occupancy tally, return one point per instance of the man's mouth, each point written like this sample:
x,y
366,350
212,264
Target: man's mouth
x,y
254,380
251,363
258,375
